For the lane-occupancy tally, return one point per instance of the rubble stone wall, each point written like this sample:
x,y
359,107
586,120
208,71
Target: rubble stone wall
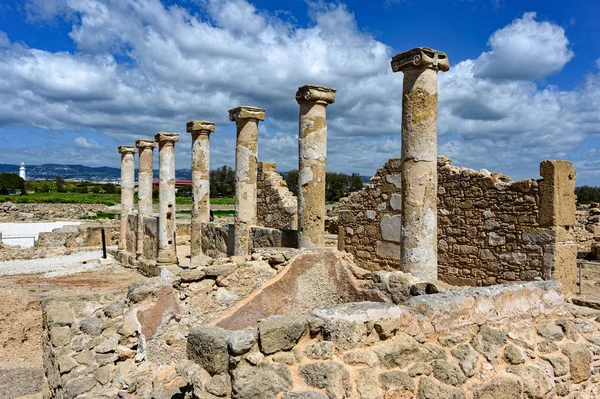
x,y
10,212
277,207
490,229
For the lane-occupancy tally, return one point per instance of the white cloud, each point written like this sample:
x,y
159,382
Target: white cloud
x,y
142,67
82,142
526,49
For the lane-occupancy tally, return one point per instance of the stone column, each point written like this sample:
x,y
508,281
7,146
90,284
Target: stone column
x,y
167,254
200,131
145,175
418,234
312,154
246,151
127,187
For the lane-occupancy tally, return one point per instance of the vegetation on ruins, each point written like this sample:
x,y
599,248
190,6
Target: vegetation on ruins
x,y
11,181
338,185
587,194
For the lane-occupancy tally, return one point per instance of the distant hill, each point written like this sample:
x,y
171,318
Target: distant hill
x,y
102,174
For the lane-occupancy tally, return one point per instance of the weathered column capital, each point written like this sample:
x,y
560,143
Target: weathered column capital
x,y
127,149
145,143
166,137
315,94
200,127
246,112
421,58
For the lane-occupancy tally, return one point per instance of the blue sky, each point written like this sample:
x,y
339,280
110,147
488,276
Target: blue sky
x,y
80,77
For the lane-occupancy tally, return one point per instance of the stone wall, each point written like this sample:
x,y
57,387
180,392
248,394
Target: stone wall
x,y
277,207
10,212
587,230
490,229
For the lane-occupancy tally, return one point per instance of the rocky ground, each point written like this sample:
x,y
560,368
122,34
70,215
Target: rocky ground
x,y
21,318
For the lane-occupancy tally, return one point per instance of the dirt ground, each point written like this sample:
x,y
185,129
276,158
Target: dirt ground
x,y
21,320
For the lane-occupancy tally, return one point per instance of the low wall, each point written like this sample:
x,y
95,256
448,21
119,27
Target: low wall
x,y
10,212
490,229
276,206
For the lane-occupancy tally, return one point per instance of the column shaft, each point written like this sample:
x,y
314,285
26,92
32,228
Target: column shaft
x,y
418,235
246,153
145,177
200,131
312,167
167,254
127,187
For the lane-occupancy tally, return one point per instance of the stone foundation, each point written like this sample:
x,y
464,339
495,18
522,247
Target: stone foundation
x,y
10,212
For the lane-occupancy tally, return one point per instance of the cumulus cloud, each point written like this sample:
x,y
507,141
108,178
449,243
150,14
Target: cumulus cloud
x,y
526,49
143,67
82,142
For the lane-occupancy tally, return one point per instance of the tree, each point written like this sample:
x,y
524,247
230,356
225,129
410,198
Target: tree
x,y
222,182
184,191
291,179
11,181
60,185
356,183
109,188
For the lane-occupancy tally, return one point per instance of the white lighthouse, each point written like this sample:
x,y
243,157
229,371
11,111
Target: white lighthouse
x,y
22,171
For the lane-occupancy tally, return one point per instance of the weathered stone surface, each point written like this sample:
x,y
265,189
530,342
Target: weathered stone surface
x,y
550,331
536,383
241,341
360,357
319,350
547,346
400,351
207,346
447,372
278,333
559,363
304,395
264,382
366,384
499,387
78,386
514,355
57,313
220,385
60,336
467,357
488,342
397,380
420,368
580,361
430,389
331,376
91,326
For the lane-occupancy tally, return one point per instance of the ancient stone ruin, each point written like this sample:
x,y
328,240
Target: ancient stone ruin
x,y
446,283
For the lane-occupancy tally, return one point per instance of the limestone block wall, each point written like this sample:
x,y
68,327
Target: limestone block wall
x,y
528,344
277,207
490,229
587,228
81,236
10,212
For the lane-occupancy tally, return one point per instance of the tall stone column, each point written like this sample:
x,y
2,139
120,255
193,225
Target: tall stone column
x,y
200,131
127,187
246,152
312,151
418,234
145,175
167,254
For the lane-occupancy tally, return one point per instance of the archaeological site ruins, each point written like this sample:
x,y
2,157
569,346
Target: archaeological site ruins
x,y
446,282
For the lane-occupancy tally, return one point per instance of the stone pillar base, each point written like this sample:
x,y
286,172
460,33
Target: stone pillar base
x,y
200,260
166,258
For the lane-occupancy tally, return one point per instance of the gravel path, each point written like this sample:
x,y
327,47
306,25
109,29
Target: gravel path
x,y
55,266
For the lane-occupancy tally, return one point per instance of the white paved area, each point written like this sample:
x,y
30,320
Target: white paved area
x,y
25,234
55,266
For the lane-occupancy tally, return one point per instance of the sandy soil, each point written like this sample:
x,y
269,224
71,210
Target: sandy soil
x,y
21,319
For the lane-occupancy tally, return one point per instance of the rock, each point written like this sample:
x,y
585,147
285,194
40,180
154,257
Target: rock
x,y
366,384
488,342
547,346
66,363
400,351
499,387
255,358
559,363
241,341
467,357
420,368
280,332
536,383
284,357
91,326
568,329
304,395
320,351
191,276
264,382
514,354
220,385
447,372
141,290
331,376
207,346
114,310
430,389
397,380
108,346
77,386
103,374
580,361
60,336
57,313
358,357
550,331
344,334
459,335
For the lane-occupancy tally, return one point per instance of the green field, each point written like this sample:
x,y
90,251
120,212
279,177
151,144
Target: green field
x,y
54,197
